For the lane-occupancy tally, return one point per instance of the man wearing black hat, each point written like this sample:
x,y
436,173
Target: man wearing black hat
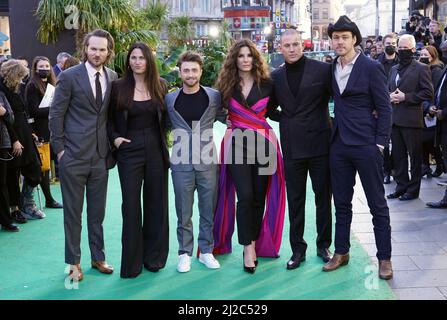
x,y
361,129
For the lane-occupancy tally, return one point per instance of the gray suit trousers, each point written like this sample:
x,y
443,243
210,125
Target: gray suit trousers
x,y
185,183
76,177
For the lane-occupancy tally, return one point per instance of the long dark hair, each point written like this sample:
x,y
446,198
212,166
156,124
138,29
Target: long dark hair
x,y
36,80
154,85
229,78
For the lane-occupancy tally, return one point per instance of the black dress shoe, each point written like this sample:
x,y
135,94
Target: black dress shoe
x,y
438,205
152,268
324,254
54,205
295,261
394,195
10,227
387,179
407,196
18,217
249,269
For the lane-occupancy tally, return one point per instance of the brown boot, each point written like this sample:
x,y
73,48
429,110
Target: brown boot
x,y
385,269
337,261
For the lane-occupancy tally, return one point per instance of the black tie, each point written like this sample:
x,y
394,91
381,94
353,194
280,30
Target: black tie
x,y
98,92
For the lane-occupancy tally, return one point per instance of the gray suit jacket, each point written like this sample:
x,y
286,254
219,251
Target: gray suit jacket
x,y
76,125
183,134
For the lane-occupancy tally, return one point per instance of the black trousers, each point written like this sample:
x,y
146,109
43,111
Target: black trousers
x,y
387,160
31,172
5,218
428,147
345,162
407,142
296,172
251,190
140,166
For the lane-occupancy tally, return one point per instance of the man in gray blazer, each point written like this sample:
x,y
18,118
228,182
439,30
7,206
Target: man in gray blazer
x,y
192,111
78,118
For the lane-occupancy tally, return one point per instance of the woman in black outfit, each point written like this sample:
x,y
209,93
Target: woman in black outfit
x,y
6,122
136,128
26,160
42,75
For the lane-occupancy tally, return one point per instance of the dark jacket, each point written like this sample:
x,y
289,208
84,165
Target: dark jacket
x,y
387,63
117,122
304,120
417,85
21,130
40,115
365,92
6,122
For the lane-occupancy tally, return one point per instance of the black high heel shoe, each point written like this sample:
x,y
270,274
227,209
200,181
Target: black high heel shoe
x,y
248,269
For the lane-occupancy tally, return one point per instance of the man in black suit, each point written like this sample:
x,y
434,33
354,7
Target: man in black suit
x,y
362,126
302,89
410,84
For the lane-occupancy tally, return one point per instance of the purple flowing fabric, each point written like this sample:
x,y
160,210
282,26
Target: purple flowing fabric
x,y
269,241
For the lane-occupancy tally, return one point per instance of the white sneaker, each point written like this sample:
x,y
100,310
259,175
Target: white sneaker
x,y
184,263
209,261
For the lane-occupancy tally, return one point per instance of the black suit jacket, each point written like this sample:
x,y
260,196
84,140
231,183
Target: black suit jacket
x,y
304,120
417,85
117,122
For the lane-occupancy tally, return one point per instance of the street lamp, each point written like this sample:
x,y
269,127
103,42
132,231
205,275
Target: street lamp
x,y
214,31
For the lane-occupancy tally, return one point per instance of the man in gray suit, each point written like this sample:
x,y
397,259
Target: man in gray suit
x,y
192,111
78,118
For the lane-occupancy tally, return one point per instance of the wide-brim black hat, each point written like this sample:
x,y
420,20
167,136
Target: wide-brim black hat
x,y
345,24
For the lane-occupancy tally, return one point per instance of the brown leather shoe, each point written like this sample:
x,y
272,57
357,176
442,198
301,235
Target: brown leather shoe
x,y
385,269
102,267
337,261
76,272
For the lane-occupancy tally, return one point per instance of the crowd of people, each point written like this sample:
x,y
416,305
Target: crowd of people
x,y
24,106
95,121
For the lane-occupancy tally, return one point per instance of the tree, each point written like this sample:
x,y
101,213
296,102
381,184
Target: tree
x,y
180,31
119,17
155,15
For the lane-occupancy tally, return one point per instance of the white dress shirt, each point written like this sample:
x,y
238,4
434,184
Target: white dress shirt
x,y
342,74
92,77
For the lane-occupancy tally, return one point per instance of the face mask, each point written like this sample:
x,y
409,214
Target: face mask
x,y
390,50
424,60
43,73
405,56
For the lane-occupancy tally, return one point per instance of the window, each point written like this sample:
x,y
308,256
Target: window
x,y
316,14
183,6
201,30
206,6
325,13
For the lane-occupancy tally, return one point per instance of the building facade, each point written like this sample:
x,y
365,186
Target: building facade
x,y
323,13
365,17
206,15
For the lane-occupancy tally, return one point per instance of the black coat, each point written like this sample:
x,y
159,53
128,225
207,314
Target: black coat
x,y
40,115
417,85
117,122
304,120
21,130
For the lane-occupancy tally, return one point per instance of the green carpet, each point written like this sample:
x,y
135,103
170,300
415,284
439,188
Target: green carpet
x,y
32,265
